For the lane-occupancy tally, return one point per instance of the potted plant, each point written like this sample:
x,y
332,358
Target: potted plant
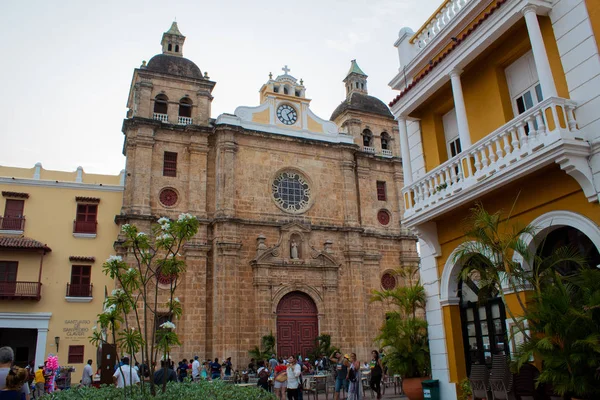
x,y
404,332
464,390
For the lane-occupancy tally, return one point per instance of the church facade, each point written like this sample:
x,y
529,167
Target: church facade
x,y
300,216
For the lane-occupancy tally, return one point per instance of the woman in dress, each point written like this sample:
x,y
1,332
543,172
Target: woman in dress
x,y
355,377
376,373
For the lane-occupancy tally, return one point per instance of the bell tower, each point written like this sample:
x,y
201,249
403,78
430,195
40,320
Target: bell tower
x,y
356,80
172,41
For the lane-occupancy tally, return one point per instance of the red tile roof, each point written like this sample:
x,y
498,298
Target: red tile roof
x,y
25,243
16,194
458,41
87,199
82,258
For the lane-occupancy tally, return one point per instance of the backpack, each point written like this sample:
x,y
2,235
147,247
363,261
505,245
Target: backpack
x,y
351,375
263,376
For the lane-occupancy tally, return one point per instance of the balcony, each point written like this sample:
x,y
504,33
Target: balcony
x,y
438,21
184,121
161,117
81,292
368,149
17,290
543,135
85,227
386,153
12,224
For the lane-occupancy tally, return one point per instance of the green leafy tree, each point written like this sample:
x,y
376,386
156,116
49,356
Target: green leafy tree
x,y
404,332
132,311
268,348
323,346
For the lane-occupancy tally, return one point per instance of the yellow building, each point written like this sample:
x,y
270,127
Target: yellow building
x,y
56,230
500,104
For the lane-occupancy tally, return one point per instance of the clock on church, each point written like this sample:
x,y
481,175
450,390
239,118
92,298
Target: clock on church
x,y
287,114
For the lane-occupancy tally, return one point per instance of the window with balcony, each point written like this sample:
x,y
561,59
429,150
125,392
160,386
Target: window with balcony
x,y
8,278
76,354
523,84
367,138
381,192
86,219
161,108
81,282
170,164
385,141
13,219
185,111
453,146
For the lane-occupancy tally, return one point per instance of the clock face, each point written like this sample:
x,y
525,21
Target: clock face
x,y
287,114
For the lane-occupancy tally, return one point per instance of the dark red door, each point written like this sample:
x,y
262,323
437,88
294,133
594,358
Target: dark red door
x,y
13,215
297,325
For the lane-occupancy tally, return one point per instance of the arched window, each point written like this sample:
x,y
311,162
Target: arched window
x,y
170,48
569,237
160,104
385,141
185,107
176,48
357,85
367,138
285,90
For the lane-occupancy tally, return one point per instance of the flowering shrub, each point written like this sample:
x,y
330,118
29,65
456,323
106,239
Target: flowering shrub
x,y
129,312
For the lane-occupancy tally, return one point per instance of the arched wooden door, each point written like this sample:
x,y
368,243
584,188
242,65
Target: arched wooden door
x,y
297,325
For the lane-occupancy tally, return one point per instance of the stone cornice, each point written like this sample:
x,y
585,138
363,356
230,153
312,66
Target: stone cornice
x,y
129,123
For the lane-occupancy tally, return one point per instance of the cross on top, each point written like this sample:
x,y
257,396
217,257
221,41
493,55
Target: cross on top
x,y
285,69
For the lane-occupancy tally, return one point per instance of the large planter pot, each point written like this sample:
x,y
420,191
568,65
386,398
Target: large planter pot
x,y
412,388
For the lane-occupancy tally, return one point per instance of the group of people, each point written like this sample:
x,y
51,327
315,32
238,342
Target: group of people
x,y
287,374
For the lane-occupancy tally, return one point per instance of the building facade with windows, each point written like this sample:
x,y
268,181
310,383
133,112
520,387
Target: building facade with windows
x,y
499,103
56,230
300,216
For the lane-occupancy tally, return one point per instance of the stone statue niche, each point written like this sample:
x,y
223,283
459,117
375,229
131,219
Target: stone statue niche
x,y
295,247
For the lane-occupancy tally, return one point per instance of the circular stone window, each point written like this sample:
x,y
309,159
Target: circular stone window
x,y
383,217
388,281
164,279
168,197
291,192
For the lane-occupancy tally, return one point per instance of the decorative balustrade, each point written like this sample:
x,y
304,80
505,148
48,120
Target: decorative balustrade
x,y
161,117
368,149
88,227
386,153
20,290
512,144
79,290
12,223
442,17
184,121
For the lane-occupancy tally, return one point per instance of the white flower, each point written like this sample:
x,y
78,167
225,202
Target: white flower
x,y
110,309
125,227
163,220
94,327
185,217
166,226
118,292
114,258
131,271
141,234
176,300
168,325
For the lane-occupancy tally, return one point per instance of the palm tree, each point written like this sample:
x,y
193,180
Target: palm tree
x,y
404,332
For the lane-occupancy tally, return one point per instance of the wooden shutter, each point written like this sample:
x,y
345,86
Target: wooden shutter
x,y
14,208
170,164
81,274
381,195
76,354
8,271
87,212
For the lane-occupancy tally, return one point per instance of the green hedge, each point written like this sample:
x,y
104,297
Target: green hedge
x,y
175,391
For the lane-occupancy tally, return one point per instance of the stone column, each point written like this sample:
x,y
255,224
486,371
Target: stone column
x,y
374,311
540,56
225,174
197,178
399,183
461,111
404,148
357,306
351,212
40,346
193,292
142,174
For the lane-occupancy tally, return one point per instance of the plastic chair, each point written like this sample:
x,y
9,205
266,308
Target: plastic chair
x,y
479,381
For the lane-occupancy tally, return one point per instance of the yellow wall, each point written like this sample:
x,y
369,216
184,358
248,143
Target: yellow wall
x,y
593,7
485,90
50,211
547,190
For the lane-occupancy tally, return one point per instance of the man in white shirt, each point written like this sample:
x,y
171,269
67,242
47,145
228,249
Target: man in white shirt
x,y
196,369
88,374
125,375
293,374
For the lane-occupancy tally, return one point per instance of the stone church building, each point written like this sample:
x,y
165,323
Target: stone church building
x,y
300,216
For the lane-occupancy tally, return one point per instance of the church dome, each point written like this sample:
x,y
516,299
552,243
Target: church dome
x,y
362,102
173,65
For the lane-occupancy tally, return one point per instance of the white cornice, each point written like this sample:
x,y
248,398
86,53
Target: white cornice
x,y
25,316
62,185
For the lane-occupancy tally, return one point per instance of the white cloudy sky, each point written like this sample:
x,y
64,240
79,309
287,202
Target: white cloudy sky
x,y
67,65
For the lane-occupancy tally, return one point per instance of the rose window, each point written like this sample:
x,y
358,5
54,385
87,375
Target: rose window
x,y
388,281
383,217
168,197
291,192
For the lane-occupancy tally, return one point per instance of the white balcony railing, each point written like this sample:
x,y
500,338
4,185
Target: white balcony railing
x,y
368,149
386,153
161,117
442,17
184,121
510,146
